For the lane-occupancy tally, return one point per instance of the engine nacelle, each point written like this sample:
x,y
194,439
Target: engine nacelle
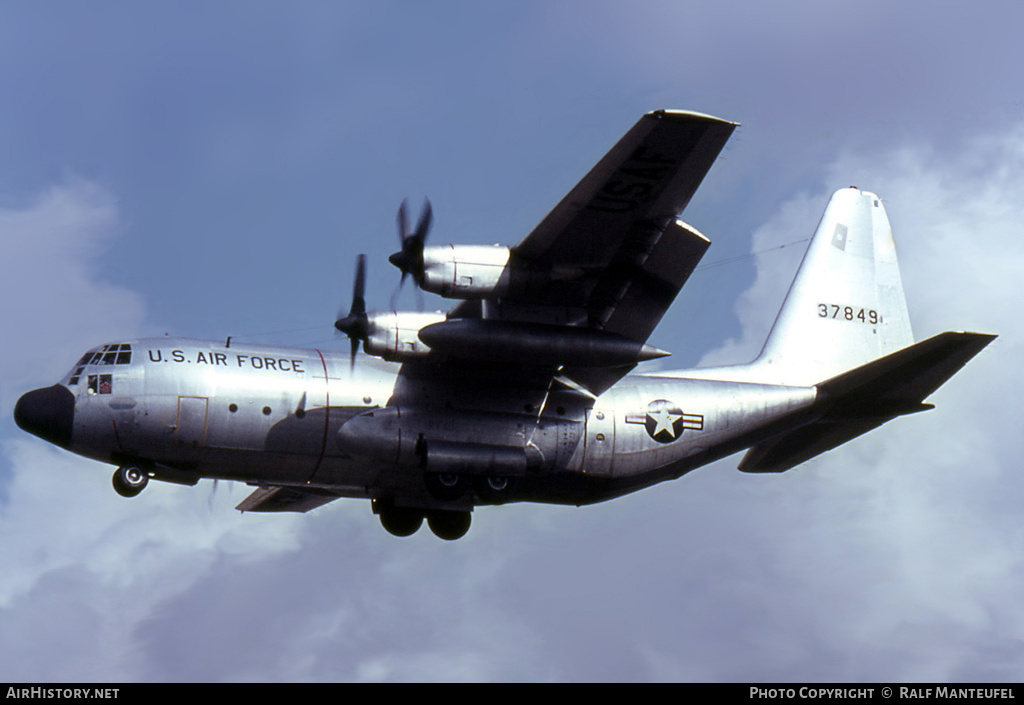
x,y
535,343
395,335
466,271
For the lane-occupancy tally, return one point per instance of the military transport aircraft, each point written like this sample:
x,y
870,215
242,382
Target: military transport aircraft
x,y
521,392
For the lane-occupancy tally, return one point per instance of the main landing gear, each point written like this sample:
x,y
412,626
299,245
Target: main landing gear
x,y
448,524
406,521
129,480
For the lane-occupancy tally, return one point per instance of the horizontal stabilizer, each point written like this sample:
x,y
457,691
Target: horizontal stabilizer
x,y
866,397
905,377
285,499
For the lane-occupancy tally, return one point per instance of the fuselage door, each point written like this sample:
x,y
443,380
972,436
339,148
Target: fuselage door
x,y
191,424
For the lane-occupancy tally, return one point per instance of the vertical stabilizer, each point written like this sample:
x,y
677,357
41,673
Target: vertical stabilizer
x,y
846,306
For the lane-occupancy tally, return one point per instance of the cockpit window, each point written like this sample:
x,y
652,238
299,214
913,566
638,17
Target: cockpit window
x,y
101,384
113,354
116,354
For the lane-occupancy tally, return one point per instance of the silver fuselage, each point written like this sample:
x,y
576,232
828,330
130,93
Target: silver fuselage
x,y
300,417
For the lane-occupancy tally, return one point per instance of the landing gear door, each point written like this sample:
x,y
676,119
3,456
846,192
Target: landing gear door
x,y
599,451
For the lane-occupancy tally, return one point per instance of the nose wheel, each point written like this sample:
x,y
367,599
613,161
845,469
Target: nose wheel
x,y
129,480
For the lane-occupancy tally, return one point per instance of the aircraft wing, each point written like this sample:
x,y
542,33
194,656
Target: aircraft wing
x,y
271,498
612,256
646,179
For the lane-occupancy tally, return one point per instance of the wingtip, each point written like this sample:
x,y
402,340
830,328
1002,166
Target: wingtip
x,y
689,116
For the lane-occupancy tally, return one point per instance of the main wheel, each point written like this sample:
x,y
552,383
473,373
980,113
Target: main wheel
x,y
400,521
129,480
449,525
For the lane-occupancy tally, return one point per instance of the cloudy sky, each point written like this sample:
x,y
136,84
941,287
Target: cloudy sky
x,y
212,169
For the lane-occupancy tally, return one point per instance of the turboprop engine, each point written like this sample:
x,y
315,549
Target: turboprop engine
x,y
395,335
392,335
466,271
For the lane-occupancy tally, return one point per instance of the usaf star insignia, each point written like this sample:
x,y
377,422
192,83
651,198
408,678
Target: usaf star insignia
x,y
665,421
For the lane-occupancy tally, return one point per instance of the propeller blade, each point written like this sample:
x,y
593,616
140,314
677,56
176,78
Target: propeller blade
x,y
403,222
423,226
356,325
353,349
359,287
409,259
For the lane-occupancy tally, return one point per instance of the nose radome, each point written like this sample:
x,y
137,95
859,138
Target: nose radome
x,y
48,413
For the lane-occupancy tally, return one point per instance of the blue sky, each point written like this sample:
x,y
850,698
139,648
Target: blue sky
x,y
213,169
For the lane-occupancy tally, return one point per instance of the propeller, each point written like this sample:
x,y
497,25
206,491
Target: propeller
x,y
410,258
209,498
356,325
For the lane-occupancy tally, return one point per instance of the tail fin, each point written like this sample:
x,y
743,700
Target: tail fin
x,y
844,329
846,306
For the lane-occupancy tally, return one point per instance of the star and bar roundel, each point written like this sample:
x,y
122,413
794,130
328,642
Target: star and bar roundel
x,y
665,421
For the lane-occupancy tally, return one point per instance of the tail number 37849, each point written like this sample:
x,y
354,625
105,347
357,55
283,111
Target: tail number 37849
x,y
849,313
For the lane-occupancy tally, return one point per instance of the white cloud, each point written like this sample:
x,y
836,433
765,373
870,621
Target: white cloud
x,y
779,241
85,568
53,301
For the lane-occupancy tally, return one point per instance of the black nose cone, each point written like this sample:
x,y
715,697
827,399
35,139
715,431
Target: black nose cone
x,y
48,413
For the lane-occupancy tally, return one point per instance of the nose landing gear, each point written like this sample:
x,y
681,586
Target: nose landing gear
x,y
129,480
